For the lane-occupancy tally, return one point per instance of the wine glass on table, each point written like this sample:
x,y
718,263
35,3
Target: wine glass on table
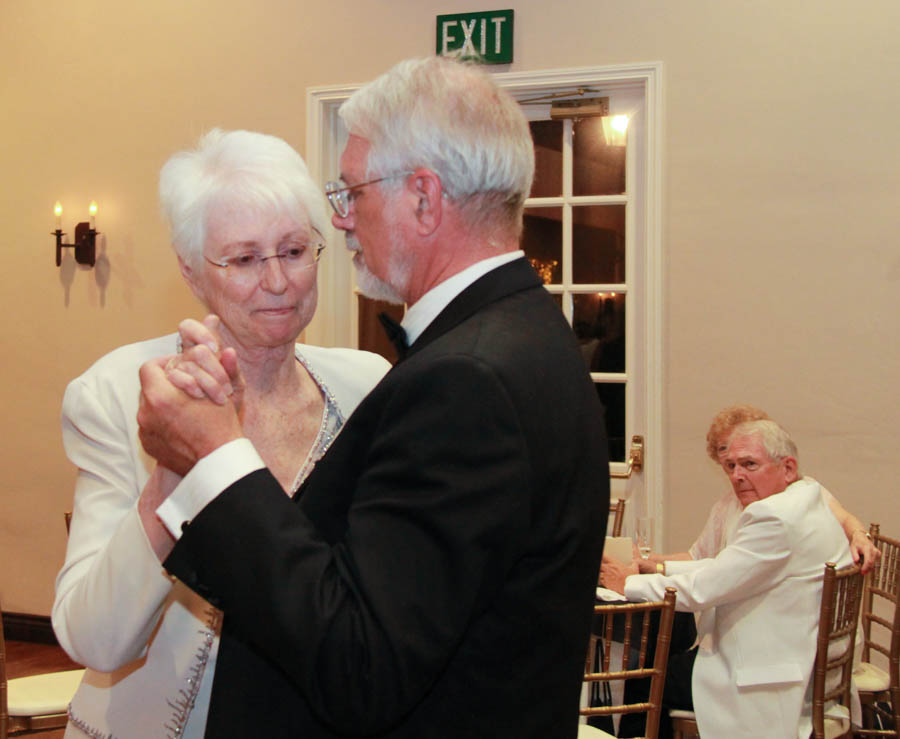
x,y
643,530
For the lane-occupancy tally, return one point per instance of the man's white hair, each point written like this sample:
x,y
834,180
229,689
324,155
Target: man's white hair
x,y
452,118
775,440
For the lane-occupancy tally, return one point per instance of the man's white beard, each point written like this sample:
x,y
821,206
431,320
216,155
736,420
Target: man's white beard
x,y
374,287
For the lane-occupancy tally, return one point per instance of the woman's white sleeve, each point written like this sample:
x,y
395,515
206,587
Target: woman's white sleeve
x,y
111,589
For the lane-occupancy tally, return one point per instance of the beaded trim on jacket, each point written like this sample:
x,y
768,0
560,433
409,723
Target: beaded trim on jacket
x,y
85,728
184,704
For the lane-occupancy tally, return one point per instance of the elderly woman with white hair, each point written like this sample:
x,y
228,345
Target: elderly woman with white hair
x,y
246,222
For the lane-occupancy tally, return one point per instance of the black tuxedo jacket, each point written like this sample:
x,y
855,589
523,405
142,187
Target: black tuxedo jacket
x,y
435,575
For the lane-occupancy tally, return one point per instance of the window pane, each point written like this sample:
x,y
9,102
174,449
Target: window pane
x,y
613,398
598,320
599,168
598,244
542,242
548,137
372,337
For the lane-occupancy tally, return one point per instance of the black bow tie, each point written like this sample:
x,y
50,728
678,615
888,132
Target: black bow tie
x,y
395,333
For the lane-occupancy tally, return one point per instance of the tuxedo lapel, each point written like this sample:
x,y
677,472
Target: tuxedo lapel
x,y
505,280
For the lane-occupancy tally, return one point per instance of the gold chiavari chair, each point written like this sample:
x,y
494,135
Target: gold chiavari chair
x,y
833,667
629,623
878,687
617,511
34,703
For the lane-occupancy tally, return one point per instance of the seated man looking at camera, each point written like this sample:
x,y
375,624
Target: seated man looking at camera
x,y
758,599
724,514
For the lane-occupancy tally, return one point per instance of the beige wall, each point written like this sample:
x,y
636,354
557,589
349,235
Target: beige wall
x,y
781,207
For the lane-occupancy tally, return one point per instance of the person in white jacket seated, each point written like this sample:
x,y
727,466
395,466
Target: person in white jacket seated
x,y
723,516
246,222
758,599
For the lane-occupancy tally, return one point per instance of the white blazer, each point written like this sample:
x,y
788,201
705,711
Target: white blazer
x,y
759,601
150,644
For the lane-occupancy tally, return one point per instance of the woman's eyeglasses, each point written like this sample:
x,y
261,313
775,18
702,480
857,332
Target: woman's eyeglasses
x,y
250,265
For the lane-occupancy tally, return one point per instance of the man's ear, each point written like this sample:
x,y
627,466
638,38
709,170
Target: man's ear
x,y
425,187
790,470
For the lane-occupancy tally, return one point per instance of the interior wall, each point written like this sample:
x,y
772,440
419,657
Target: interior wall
x,y
780,208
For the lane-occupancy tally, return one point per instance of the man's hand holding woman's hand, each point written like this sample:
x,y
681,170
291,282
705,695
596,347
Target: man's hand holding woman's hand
x,y
189,404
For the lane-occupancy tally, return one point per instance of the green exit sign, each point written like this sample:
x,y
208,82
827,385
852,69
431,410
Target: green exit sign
x,y
486,36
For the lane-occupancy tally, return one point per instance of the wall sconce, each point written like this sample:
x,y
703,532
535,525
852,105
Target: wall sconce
x,y
85,237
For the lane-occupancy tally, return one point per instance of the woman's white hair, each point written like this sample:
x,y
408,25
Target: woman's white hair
x,y
239,169
450,117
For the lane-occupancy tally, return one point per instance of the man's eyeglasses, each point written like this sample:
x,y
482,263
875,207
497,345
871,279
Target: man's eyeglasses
x,y
341,195
250,265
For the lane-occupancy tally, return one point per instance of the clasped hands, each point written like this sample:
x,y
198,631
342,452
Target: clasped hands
x,y
190,403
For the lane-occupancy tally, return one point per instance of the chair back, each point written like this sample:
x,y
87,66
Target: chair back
x,y
36,702
833,667
617,510
880,624
629,624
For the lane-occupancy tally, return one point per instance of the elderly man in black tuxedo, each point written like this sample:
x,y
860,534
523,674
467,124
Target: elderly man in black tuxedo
x,y
435,575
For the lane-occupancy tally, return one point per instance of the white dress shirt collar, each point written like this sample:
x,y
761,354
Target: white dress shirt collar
x,y
420,315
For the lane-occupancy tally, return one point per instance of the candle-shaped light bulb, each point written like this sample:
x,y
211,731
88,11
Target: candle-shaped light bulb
x,y
57,211
92,209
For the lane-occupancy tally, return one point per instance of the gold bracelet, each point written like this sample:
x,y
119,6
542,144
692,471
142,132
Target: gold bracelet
x,y
660,568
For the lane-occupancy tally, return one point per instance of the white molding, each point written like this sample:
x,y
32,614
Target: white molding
x,y
610,77
654,271
336,319
334,323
